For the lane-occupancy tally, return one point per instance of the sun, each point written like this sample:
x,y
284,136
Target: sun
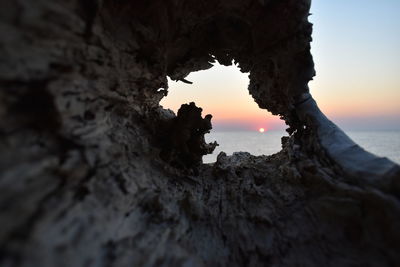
x,y
261,130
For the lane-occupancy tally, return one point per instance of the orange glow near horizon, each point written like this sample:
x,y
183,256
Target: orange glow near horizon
x,y
261,130
222,92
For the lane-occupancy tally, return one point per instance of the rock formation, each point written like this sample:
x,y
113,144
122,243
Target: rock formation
x,y
83,181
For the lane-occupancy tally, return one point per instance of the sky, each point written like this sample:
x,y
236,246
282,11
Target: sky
x,y
356,50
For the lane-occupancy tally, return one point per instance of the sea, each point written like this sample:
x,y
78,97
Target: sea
x,y
380,143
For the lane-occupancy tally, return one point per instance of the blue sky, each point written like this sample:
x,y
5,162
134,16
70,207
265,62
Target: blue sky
x,y
356,50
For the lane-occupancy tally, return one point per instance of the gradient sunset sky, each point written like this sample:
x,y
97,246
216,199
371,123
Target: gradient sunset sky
x,y
356,50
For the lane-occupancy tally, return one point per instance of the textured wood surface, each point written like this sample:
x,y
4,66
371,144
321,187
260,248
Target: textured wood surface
x,y
82,182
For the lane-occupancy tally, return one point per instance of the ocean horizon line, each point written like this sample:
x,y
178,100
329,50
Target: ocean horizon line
x,y
284,130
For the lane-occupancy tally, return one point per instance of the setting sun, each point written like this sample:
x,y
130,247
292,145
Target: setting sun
x,y
261,130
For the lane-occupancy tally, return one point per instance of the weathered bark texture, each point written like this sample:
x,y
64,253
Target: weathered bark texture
x,y
82,182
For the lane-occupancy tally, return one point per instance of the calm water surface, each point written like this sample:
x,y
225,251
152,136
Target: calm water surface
x,y
381,143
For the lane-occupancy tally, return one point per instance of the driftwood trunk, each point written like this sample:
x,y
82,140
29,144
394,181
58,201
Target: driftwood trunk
x,y
82,182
